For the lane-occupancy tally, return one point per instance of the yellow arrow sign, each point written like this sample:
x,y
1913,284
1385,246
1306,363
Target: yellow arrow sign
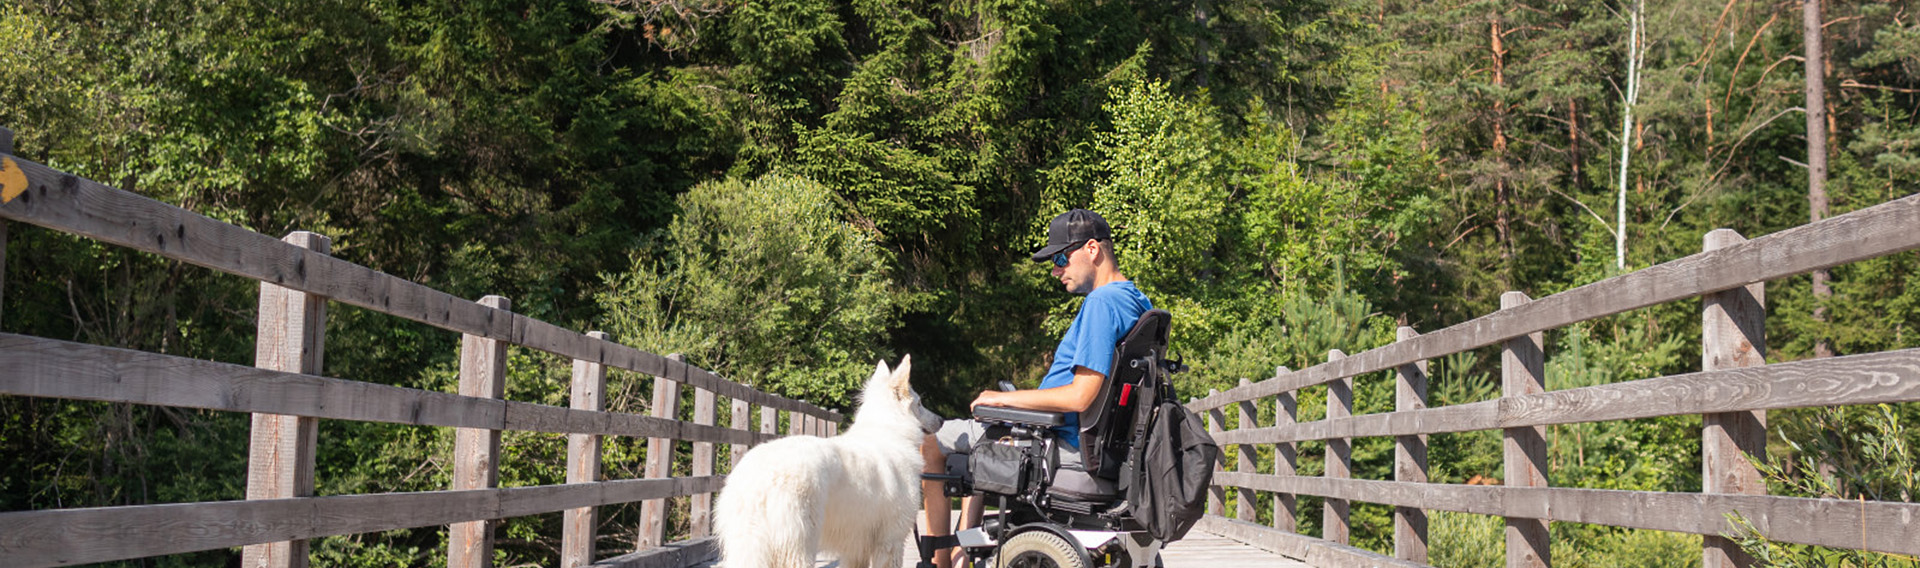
x,y
13,182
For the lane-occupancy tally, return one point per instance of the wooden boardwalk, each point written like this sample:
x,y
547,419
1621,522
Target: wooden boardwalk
x,y
1207,550
1198,550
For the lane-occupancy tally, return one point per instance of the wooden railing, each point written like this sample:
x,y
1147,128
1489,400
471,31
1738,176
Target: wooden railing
x,y
1732,392
287,398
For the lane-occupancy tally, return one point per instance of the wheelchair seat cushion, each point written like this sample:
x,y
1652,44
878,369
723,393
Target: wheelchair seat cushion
x,y
1075,483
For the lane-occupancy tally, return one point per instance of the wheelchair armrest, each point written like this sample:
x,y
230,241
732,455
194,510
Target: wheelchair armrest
x,y
1019,416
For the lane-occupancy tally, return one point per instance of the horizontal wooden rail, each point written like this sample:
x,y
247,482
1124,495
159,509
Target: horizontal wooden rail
x,y
1886,377
1865,525
32,366
73,536
1875,231
69,203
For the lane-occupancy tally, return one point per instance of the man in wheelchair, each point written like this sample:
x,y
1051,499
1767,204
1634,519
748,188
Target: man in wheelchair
x,y
1053,458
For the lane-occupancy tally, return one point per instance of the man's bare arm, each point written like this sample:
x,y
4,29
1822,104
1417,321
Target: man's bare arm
x,y
1075,397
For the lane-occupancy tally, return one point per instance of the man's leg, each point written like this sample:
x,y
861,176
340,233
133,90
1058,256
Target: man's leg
x,y
933,498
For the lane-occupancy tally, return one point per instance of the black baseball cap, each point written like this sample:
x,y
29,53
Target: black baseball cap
x,y
1072,229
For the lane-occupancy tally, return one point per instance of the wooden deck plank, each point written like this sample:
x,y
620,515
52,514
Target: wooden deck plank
x,y
1199,550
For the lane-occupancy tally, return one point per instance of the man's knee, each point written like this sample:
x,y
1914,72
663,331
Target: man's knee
x,y
935,460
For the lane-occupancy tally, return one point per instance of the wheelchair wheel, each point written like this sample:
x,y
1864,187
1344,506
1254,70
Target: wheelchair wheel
x,y
1038,549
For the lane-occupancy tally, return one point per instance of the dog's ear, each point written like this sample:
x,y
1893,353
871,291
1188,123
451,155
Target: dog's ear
x,y
901,386
880,370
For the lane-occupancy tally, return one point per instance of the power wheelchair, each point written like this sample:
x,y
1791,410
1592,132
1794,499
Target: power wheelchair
x,y
1050,515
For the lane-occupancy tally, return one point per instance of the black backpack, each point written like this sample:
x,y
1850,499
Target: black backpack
x,y
1168,476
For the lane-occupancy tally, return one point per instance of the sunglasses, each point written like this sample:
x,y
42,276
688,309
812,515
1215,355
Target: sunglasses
x,y
1062,259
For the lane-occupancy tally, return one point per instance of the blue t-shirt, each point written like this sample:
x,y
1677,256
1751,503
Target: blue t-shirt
x,y
1106,316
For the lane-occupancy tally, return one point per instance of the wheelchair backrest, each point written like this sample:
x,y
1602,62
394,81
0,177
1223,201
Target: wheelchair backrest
x,y
1138,378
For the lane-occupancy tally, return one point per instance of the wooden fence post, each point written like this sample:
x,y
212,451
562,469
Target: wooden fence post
x,y
1523,372
666,404
1286,410
1339,455
292,328
1733,334
739,419
1245,508
769,421
583,461
1216,495
796,423
1410,457
700,513
476,451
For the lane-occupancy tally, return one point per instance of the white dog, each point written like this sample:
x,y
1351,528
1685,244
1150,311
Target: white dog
x,y
853,496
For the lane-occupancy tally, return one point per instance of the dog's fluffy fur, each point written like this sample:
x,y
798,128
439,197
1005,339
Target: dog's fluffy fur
x,y
853,496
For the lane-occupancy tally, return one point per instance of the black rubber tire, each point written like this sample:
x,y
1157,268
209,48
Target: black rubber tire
x,y
1037,549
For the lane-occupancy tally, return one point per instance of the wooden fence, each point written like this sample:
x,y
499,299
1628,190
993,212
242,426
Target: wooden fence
x,y
287,398
1732,393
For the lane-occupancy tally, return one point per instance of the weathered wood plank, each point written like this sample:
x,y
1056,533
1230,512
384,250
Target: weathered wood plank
x,y
1878,526
672,555
291,337
1876,231
75,536
1216,495
700,511
1410,457
739,419
1316,552
653,512
1339,463
476,452
32,366
1873,378
580,526
69,203
1244,502
1733,335
1286,411
1523,363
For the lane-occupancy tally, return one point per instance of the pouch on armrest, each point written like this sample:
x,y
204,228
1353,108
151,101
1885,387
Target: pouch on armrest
x,y
1019,416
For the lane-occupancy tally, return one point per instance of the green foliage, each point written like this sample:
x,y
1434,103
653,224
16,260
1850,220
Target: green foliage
x,y
1168,186
763,282
1462,540
1839,453
1459,457
1658,454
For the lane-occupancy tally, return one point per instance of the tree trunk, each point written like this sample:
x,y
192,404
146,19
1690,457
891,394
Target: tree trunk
x,y
1500,190
1817,160
1628,99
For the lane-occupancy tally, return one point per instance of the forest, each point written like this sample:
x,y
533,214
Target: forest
x,y
785,191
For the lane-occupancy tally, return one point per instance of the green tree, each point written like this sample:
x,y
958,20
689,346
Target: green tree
x,y
763,282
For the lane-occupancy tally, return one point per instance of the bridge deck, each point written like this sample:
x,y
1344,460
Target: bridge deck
x,y
1198,550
